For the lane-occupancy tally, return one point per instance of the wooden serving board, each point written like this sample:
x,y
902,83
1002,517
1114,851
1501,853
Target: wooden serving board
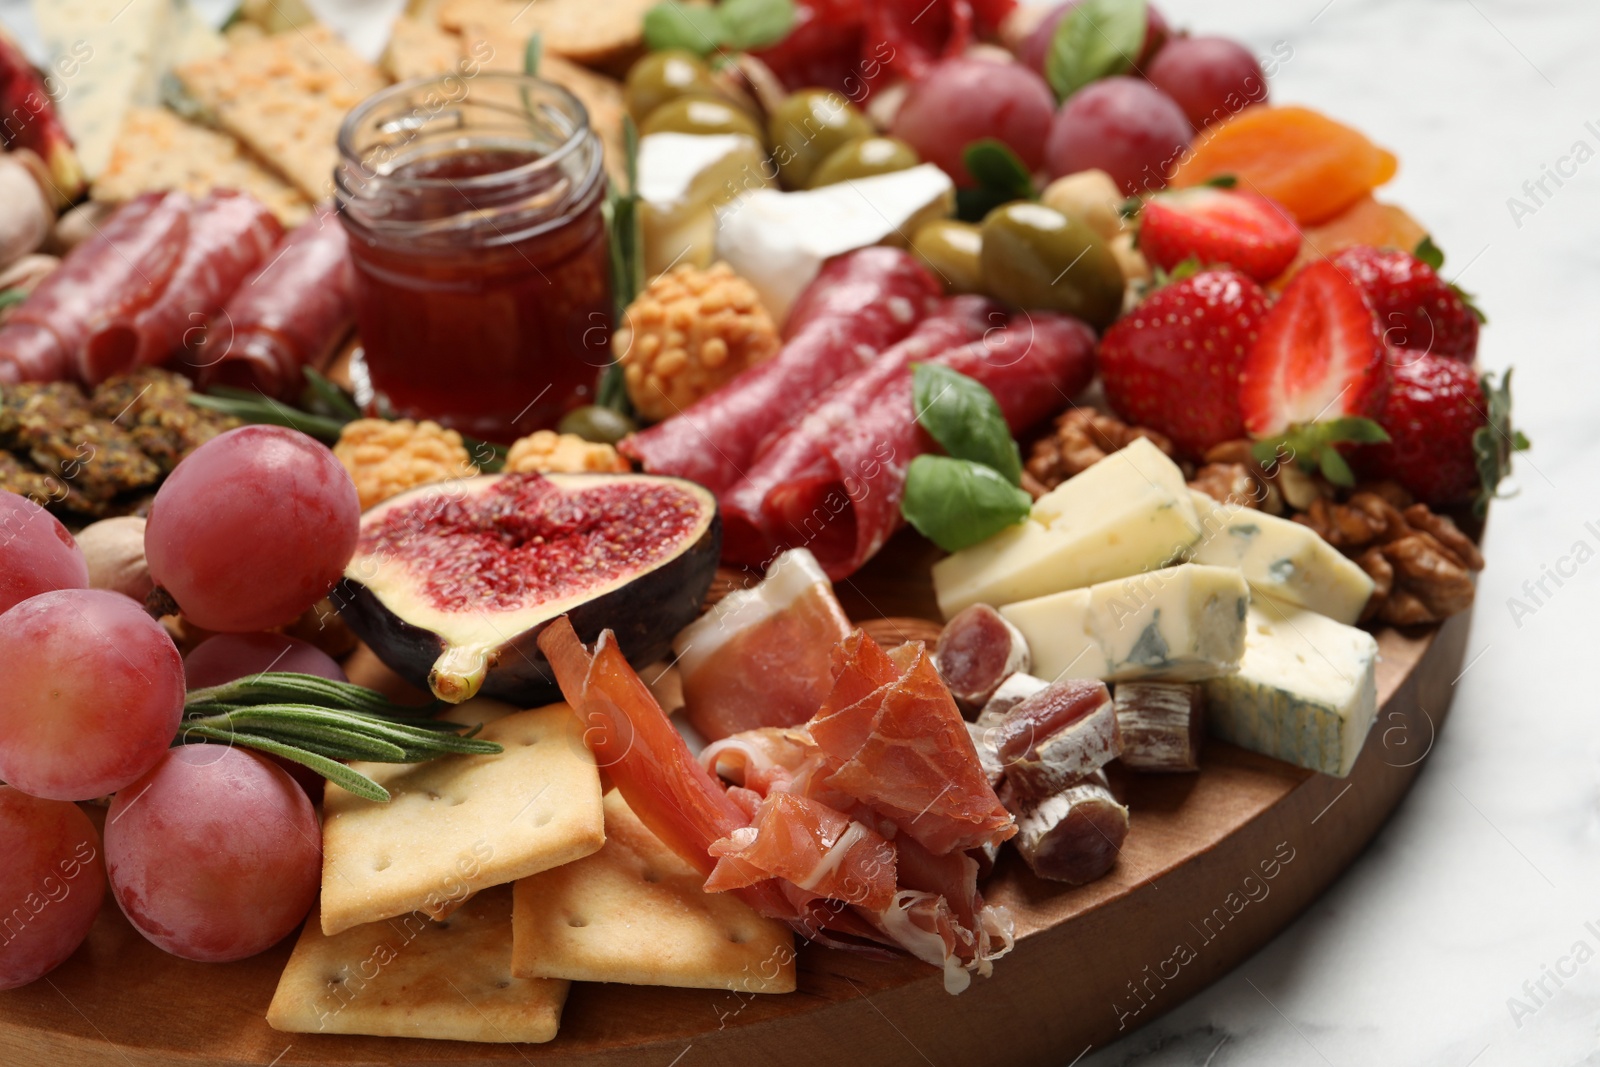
x,y
1213,866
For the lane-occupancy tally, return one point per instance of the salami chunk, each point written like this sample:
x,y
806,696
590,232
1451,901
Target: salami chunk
x,y
860,304
230,234
121,270
834,480
289,314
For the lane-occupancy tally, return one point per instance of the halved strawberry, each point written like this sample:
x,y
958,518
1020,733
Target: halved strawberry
x,y
1315,371
1417,309
1172,363
1231,227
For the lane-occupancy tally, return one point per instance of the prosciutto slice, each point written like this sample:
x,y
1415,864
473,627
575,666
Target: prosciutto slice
x,y
834,480
861,303
123,269
230,235
818,849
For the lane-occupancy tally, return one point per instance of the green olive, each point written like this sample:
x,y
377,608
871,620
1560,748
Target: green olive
x,y
661,77
863,158
808,127
1036,257
953,251
604,426
700,114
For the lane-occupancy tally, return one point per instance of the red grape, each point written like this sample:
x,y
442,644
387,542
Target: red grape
x,y
964,100
252,529
228,657
37,553
1035,48
51,884
1210,78
214,855
91,692
1123,126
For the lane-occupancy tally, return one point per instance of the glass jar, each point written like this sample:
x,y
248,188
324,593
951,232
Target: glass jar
x,y
482,270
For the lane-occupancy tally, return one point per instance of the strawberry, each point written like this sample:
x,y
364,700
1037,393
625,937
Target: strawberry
x,y
1417,309
1219,226
1314,372
1437,414
1172,364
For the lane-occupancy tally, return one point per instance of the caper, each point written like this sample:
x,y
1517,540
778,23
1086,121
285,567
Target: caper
x,y
1036,257
863,158
604,426
808,127
952,250
700,114
661,77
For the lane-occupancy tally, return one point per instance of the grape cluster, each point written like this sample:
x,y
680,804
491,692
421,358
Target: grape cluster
x,y
213,853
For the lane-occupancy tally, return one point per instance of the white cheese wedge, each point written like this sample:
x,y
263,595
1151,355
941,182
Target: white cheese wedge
x,y
1130,512
106,56
683,177
779,241
1178,624
1281,559
1306,691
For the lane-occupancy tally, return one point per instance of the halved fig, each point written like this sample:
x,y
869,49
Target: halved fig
x,y
452,583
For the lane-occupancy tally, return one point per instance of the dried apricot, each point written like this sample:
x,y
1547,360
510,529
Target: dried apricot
x,y
1307,162
1365,222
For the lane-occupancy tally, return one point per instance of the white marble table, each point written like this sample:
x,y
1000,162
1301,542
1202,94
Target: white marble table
x,y
1441,946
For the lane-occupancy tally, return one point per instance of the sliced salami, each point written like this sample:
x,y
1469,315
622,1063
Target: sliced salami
x,y
860,304
834,480
125,267
230,234
291,313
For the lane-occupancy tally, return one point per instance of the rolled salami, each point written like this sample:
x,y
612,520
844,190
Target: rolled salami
x,y
230,234
860,304
122,269
834,480
288,315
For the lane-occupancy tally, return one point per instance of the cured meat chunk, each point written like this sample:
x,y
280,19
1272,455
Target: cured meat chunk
x,y
834,480
977,651
902,748
1013,691
1161,725
230,235
124,268
1073,836
861,303
763,656
818,849
289,314
1057,736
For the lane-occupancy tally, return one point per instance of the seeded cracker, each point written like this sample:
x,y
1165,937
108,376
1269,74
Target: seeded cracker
x,y
157,149
459,825
592,32
418,48
408,977
635,913
284,96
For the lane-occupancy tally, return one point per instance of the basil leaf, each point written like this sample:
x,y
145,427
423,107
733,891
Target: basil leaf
x,y
1097,39
992,163
965,419
673,25
956,503
751,24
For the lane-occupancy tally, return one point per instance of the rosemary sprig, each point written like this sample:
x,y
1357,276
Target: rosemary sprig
x,y
317,722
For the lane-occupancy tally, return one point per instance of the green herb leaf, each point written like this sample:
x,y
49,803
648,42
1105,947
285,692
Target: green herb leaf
x,y
1222,181
965,419
752,24
956,503
1097,39
1429,253
675,25
1495,442
12,297
992,163
322,397
532,54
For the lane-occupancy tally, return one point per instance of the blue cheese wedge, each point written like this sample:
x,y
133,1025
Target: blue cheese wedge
x,y
1306,691
1129,513
779,241
1178,624
1281,559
